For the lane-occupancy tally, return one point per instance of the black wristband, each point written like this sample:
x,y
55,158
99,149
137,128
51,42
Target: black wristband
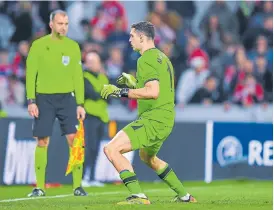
x,y
124,92
31,101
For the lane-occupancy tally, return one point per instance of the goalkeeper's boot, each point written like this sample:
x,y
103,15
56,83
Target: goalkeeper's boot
x,y
186,199
135,199
36,192
79,191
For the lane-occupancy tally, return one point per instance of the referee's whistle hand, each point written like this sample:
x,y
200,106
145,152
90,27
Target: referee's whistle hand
x,y
81,113
33,110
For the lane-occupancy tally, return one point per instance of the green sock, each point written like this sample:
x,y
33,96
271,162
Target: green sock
x,y
41,154
169,177
77,173
130,181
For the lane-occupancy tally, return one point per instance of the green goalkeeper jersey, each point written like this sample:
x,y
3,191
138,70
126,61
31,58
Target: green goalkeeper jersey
x,y
54,66
155,65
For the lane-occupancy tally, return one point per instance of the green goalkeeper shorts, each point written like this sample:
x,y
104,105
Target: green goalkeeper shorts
x,y
148,134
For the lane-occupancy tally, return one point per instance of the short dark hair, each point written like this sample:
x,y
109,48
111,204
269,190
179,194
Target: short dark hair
x,y
55,12
145,27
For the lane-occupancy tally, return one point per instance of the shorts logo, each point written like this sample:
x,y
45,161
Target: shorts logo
x,y
65,60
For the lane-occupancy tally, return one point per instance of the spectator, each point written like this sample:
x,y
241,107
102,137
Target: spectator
x,y
97,40
243,14
213,36
194,50
163,33
106,15
6,30
5,71
119,36
102,21
252,34
249,92
258,18
19,60
16,91
169,17
226,57
208,94
114,9
115,64
227,19
262,49
191,80
85,27
76,10
234,73
185,9
23,23
264,76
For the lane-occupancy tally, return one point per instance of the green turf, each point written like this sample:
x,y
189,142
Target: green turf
x,y
219,195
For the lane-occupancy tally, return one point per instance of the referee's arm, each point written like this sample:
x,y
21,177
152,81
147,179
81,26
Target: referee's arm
x,y
31,71
79,79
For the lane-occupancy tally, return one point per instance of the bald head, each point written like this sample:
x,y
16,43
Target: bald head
x,y
55,12
93,62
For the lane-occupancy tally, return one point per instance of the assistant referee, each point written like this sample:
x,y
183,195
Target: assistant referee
x,y
55,89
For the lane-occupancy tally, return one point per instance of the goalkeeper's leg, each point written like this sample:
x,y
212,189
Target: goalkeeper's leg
x,y
121,144
165,172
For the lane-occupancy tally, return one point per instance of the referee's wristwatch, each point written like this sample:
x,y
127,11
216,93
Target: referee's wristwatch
x,y
31,101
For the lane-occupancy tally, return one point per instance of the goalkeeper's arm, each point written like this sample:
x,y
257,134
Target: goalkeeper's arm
x,y
150,91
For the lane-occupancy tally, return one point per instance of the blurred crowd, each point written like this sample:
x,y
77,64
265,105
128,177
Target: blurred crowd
x,y
228,59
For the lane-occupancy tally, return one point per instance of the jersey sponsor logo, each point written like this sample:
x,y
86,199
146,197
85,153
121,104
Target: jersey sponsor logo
x,y
65,60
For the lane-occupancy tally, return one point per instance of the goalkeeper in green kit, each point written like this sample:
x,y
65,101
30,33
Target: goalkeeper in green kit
x,y
154,90
55,89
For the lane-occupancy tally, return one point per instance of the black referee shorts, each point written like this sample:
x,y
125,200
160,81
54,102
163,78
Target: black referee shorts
x,y
51,106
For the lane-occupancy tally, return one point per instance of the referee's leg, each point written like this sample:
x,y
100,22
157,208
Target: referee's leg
x,y
66,114
42,129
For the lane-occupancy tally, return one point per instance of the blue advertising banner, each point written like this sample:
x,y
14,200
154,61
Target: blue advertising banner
x,y
236,150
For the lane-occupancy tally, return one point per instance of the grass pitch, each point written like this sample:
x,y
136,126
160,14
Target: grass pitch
x,y
219,195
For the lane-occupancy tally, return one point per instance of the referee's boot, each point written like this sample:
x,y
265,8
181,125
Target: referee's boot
x,y
79,191
186,199
36,192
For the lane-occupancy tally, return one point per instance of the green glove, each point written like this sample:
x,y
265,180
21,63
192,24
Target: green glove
x,y
112,90
128,80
